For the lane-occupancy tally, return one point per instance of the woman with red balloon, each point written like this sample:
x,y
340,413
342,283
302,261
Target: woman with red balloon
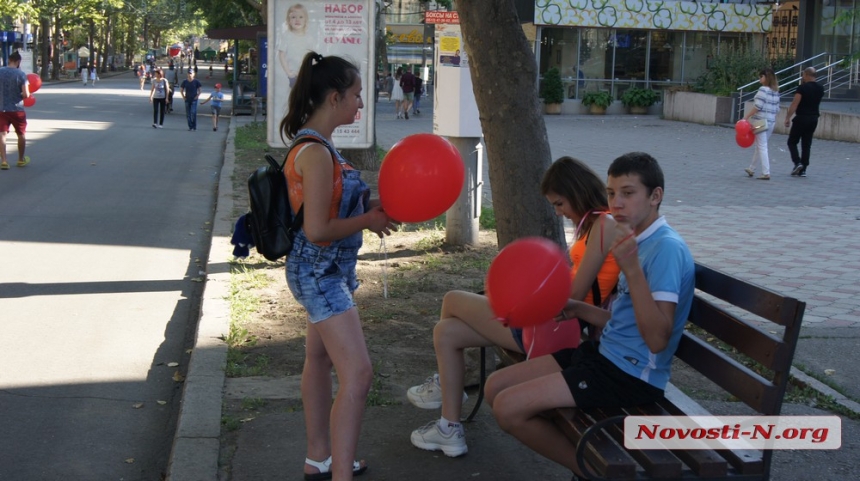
x,y
320,268
631,363
469,320
16,90
764,109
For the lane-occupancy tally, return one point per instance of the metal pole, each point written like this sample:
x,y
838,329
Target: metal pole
x,y
461,224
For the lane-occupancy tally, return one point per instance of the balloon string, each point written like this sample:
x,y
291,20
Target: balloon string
x,y
384,250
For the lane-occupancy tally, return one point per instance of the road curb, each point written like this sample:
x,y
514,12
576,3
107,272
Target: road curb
x,y
196,444
805,380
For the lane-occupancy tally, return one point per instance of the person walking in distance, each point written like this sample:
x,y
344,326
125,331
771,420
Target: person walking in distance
x,y
804,107
190,90
407,83
419,91
14,88
216,97
765,107
158,98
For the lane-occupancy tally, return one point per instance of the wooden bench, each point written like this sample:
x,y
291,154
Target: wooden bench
x,y
751,363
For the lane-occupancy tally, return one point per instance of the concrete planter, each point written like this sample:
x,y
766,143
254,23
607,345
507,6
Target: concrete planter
x,y
552,109
638,110
596,110
697,108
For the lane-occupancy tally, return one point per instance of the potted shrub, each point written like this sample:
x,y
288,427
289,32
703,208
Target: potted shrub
x,y
597,102
638,100
552,91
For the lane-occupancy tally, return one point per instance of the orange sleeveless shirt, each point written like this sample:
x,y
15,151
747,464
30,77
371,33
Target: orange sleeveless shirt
x,y
296,189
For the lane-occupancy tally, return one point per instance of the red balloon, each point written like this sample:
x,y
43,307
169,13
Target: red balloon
x,y
742,126
35,82
528,283
420,178
746,139
30,101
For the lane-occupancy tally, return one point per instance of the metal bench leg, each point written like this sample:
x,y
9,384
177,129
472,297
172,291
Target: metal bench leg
x,y
483,379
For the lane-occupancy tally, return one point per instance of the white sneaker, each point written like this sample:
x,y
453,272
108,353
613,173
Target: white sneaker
x,y
431,438
429,394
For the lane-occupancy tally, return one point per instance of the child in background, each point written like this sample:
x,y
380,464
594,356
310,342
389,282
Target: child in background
x,y
216,97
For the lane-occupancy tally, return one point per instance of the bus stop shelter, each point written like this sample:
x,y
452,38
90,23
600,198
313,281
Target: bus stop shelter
x,y
244,100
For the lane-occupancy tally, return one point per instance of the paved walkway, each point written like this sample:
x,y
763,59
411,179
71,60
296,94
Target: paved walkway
x,y
794,235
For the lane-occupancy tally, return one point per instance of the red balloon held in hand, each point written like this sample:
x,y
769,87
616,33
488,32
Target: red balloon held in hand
x,y
420,178
743,126
528,283
35,82
745,139
30,101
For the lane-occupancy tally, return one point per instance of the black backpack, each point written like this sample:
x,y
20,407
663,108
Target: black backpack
x,y
270,221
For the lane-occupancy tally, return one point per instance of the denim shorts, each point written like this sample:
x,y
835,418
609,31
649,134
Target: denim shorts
x,y
322,279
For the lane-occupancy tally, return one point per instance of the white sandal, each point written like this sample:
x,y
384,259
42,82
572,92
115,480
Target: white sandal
x,y
324,469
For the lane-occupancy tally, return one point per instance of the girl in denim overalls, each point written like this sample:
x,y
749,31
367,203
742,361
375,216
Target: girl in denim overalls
x,y
321,266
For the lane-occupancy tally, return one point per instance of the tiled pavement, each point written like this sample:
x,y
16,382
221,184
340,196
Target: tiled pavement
x,y
798,236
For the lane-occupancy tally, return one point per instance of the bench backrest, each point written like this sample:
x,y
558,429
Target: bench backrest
x,y
760,385
761,389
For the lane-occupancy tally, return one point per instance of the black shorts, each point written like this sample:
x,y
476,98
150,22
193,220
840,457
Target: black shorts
x,y
594,381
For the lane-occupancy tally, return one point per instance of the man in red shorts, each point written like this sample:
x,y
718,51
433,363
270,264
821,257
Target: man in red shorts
x,y
14,88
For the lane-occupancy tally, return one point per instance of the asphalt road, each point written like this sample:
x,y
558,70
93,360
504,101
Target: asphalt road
x,y
103,238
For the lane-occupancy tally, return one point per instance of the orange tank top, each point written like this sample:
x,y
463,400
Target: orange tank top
x,y
607,277
295,187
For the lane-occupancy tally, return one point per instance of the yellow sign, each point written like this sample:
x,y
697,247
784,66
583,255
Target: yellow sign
x,y
408,34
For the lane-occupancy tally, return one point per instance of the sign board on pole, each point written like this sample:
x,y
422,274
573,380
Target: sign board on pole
x,y
455,112
346,29
262,65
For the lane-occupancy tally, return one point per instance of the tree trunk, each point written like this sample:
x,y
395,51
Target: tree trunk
x,y
363,159
57,56
504,79
46,47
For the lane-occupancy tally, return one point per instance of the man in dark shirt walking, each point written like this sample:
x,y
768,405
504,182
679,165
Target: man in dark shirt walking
x,y
190,90
804,107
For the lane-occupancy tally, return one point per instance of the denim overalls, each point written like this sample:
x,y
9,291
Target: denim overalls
x,y
322,278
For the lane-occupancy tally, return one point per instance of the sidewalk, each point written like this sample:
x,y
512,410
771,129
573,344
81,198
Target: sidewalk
x,y
793,235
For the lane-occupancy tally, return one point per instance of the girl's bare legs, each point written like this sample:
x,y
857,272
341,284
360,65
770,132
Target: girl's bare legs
x,y
519,393
333,428
466,320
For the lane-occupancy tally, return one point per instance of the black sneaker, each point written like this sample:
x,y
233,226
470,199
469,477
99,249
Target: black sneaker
x,y
798,168
802,173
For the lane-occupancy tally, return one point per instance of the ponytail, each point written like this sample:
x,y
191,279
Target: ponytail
x,y
318,76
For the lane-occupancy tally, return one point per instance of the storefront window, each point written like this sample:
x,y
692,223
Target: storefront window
x,y
699,49
595,50
631,47
666,56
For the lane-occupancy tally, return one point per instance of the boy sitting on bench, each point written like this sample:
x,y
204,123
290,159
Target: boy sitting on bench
x,y
632,362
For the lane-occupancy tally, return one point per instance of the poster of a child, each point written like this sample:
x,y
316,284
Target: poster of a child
x,y
294,41
343,28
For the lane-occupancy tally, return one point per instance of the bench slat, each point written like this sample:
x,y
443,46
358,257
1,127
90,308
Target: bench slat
x,y
746,338
744,461
607,458
706,463
740,381
748,296
657,463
